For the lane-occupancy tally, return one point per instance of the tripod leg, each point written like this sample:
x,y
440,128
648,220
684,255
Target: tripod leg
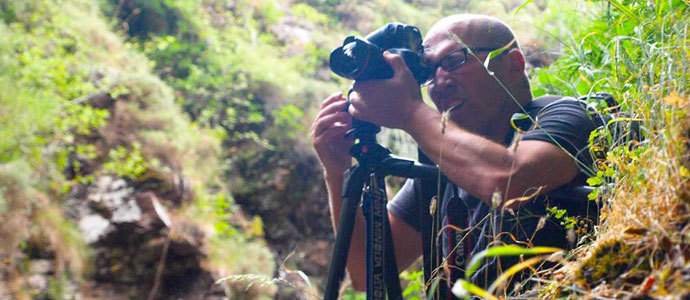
x,y
382,269
373,215
391,265
352,193
341,248
392,279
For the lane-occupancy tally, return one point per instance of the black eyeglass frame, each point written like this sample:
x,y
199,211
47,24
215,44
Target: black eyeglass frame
x,y
450,68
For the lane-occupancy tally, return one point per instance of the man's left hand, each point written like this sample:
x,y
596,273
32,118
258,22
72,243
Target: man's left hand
x,y
391,102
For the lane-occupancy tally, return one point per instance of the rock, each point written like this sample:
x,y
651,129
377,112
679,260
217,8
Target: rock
x,y
314,255
174,188
295,32
187,240
127,212
94,227
108,194
154,213
127,225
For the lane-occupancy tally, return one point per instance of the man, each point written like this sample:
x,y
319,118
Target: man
x,y
476,149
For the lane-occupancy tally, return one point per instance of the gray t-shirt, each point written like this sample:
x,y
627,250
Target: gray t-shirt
x,y
561,121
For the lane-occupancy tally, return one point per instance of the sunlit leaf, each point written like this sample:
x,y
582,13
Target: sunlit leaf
x,y
624,9
520,121
522,6
497,52
503,278
595,181
464,289
507,250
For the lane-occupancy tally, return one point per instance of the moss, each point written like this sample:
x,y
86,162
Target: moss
x,y
618,261
607,262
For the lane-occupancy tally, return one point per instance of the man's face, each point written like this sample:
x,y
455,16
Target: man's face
x,y
472,95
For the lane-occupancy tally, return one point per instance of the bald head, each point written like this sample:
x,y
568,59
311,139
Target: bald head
x,y
476,31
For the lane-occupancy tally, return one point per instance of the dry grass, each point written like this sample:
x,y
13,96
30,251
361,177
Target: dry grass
x,y
642,245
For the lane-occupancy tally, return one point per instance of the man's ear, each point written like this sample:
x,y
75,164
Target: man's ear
x,y
517,64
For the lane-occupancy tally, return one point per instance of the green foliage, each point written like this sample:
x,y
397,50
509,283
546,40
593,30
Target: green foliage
x,y
636,50
54,59
463,288
415,286
126,163
612,51
556,212
240,255
568,222
351,294
306,11
287,120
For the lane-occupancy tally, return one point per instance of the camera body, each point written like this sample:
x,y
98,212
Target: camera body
x,y
362,59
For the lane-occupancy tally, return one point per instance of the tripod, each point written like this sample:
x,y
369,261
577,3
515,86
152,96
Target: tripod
x,y
374,163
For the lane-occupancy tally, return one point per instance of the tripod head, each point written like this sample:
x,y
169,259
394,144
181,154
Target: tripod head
x,y
362,130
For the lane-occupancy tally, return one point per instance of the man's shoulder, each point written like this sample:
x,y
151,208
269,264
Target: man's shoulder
x,y
539,103
546,105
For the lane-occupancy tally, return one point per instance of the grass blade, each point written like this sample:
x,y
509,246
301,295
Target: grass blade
x,y
624,9
496,52
508,250
500,280
463,289
522,6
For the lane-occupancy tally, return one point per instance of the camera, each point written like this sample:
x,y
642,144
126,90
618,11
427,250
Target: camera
x,y
362,59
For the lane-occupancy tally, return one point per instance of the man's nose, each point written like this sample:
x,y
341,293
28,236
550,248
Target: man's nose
x,y
441,77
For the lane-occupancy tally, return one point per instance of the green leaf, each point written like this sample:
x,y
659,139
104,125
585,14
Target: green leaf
x,y
595,181
520,121
463,289
624,9
496,52
522,6
503,278
593,195
538,92
508,250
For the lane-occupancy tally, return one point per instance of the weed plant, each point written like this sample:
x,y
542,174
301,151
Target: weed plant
x,y
637,51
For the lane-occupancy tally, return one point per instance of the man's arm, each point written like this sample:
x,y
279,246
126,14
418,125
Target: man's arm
x,y
327,133
482,167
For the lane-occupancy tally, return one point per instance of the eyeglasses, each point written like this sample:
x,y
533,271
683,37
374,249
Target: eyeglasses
x,y
455,59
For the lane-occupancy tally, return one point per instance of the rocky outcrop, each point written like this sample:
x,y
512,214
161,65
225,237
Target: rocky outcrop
x,y
138,248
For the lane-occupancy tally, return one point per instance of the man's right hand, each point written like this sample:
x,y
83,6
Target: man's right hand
x,y
328,135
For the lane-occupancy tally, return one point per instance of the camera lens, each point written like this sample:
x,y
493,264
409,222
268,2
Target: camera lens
x,y
349,60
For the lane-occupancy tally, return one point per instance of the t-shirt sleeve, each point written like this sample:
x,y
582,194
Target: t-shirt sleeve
x,y
404,205
567,124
